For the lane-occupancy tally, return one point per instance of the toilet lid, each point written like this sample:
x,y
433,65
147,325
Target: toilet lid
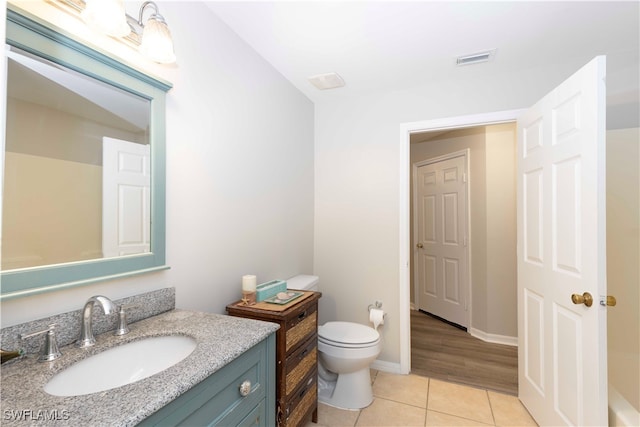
x,y
348,333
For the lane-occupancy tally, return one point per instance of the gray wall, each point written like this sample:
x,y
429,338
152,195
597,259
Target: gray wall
x,y
240,172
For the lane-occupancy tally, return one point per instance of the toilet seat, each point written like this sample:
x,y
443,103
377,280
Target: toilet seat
x,y
348,335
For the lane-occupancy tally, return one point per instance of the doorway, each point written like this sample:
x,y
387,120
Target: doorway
x,y
408,129
489,236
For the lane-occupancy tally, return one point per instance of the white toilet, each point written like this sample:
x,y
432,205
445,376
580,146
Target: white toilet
x,y
346,350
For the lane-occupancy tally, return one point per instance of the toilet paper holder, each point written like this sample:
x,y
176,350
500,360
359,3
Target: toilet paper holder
x,y
377,305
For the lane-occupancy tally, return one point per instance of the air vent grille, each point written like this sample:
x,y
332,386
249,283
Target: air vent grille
x,y
326,81
475,58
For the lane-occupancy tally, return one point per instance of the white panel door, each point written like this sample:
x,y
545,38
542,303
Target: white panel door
x,y
126,183
562,369
441,253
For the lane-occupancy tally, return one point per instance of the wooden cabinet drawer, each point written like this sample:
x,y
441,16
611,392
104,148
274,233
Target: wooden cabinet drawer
x,y
301,402
300,364
300,327
296,356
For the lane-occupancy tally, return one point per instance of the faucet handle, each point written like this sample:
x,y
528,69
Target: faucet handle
x,y
50,350
123,327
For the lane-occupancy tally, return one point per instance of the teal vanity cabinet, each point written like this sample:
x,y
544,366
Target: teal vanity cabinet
x,y
242,393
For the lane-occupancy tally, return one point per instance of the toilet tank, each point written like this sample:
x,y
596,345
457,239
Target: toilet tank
x,y
303,282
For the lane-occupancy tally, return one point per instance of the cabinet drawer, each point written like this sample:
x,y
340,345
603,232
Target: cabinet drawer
x,y
302,402
217,399
300,327
257,417
300,364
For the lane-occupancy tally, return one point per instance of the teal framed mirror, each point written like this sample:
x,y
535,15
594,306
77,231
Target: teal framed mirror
x,y
67,220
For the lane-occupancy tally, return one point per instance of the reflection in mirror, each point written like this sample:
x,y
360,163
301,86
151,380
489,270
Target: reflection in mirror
x,y
82,107
77,167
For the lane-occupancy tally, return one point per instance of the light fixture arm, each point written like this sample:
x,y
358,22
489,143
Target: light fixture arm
x,y
155,15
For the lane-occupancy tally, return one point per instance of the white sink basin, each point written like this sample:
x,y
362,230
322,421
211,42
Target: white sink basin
x,y
121,365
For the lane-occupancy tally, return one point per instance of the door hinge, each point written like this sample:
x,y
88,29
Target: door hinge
x,y
464,177
464,241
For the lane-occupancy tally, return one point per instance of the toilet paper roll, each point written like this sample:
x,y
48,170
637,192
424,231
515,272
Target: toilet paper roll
x,y
376,316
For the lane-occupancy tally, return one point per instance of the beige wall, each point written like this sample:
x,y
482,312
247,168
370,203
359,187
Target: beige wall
x,y
623,261
501,233
53,186
54,215
493,220
43,131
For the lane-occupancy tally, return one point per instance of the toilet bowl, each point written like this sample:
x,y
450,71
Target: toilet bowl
x,y
345,353
346,350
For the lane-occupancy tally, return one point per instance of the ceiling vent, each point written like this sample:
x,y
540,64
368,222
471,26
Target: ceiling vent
x,y
326,81
476,58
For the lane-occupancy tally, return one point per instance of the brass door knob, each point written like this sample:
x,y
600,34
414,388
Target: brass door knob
x,y
420,245
585,299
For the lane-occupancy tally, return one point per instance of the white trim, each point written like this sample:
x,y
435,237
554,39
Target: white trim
x,y
621,412
406,129
384,366
494,338
466,155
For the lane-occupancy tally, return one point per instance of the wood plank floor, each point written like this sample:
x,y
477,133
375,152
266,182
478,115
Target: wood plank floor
x,y
442,351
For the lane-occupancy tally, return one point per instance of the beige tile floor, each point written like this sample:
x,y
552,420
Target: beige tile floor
x,y
411,400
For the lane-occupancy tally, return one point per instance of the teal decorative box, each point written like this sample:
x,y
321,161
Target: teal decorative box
x,y
269,289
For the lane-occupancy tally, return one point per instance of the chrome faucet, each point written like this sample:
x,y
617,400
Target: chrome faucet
x,y
86,331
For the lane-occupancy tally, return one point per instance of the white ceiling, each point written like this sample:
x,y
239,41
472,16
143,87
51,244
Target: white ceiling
x,y
394,45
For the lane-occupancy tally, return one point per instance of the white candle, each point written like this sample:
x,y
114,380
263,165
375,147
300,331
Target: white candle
x,y
249,283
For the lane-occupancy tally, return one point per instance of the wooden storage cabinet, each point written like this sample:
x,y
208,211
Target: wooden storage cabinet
x,y
296,356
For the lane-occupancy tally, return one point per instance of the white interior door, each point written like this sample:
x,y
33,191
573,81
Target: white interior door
x,y
562,369
126,183
441,243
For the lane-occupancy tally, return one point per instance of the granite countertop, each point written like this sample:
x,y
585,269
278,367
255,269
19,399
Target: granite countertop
x,y
220,339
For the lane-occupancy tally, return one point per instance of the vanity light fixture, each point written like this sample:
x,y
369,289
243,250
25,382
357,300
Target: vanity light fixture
x,y
152,39
106,16
156,44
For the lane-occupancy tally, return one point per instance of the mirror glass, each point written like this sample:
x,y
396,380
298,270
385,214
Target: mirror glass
x,y
76,173
83,176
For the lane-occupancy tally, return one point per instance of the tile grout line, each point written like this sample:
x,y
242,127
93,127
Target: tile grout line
x,y
491,407
426,405
357,418
463,418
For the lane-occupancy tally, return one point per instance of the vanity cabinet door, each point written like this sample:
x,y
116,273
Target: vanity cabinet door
x,y
255,418
218,401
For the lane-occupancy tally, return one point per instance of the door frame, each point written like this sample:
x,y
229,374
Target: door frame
x,y
465,154
406,129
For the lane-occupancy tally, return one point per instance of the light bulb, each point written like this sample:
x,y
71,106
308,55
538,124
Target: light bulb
x,y
156,41
107,17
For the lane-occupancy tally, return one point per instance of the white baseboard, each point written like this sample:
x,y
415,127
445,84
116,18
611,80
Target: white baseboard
x,y
494,338
412,306
384,366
